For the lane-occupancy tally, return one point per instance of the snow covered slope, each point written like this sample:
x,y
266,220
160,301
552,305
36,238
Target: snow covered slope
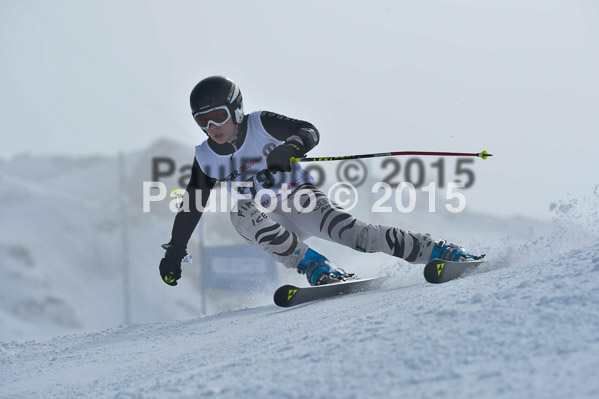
x,y
523,326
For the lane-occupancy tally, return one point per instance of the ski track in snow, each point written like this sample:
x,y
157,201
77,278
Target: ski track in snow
x,y
517,329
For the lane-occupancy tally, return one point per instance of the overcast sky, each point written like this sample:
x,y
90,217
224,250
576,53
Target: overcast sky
x,y
518,78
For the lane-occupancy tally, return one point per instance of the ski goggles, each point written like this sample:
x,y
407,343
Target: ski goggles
x,y
218,116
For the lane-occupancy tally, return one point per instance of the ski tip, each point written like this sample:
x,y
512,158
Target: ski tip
x,y
433,270
283,295
439,271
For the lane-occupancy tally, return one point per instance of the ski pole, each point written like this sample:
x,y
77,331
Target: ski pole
x,y
483,155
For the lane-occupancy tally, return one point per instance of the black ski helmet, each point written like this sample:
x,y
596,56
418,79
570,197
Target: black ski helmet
x,y
216,91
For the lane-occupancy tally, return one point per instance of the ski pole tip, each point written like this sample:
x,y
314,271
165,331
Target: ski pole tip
x,y
293,160
484,154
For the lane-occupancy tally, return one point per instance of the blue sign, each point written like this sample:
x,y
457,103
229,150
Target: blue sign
x,y
238,268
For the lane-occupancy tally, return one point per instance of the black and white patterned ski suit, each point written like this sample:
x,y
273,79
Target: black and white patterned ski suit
x,y
282,234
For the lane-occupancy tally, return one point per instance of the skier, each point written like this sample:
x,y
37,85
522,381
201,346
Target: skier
x,y
257,148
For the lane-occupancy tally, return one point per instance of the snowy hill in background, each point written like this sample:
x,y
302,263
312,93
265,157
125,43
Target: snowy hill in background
x,y
61,244
522,326
62,253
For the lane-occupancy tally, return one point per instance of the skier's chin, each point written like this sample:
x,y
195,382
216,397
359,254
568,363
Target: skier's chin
x,y
219,138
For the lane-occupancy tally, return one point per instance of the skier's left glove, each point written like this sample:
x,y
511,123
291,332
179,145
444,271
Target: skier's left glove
x,y
279,159
170,265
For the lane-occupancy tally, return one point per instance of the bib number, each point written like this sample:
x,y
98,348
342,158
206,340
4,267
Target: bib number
x,y
263,179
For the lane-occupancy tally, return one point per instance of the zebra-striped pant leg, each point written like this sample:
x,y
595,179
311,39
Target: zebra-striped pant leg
x,y
265,234
330,222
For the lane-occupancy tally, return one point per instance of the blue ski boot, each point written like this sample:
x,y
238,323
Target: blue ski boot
x,y
443,250
319,270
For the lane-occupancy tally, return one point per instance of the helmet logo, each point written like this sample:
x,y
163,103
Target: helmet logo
x,y
233,93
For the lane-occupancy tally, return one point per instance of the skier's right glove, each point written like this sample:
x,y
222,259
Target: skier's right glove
x,y
170,265
279,159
